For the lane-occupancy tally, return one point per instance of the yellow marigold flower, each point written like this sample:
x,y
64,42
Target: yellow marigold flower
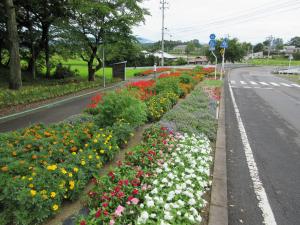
x,y
98,165
90,156
86,145
95,141
33,193
52,167
80,150
75,169
33,174
70,175
82,162
102,151
52,194
74,153
109,147
23,178
44,197
63,170
43,192
30,185
72,184
55,207
30,178
97,157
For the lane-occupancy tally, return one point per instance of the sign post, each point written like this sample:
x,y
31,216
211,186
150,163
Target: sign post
x,y
290,60
212,47
224,45
154,70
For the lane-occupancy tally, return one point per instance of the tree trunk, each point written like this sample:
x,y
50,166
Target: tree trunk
x,y
47,56
15,81
91,71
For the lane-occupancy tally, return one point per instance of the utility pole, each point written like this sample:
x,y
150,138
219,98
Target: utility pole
x,y
270,45
163,7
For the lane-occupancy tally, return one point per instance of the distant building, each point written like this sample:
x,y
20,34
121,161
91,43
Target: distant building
x,y
289,49
158,54
255,55
199,60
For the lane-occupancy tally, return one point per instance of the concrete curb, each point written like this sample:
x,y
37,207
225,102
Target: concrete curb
x,y
218,211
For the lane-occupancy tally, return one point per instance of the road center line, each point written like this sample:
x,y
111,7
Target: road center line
x,y
263,202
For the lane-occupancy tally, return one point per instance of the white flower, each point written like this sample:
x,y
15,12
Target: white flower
x,y
150,203
154,191
192,201
168,216
143,218
152,215
165,180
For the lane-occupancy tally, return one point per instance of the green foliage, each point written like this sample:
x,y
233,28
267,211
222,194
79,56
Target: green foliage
x,y
168,84
42,91
186,79
120,107
234,53
296,56
295,41
192,116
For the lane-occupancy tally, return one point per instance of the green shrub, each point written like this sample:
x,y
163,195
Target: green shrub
x,y
120,106
168,84
186,79
192,116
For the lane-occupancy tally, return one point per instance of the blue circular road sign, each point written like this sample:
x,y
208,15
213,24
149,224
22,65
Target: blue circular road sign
x,y
212,36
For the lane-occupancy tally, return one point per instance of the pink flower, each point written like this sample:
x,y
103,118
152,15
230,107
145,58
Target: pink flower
x,y
119,210
135,201
144,187
111,222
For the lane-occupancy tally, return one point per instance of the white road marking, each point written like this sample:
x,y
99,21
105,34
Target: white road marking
x,y
296,85
232,82
247,87
264,83
274,84
243,82
284,84
252,82
263,202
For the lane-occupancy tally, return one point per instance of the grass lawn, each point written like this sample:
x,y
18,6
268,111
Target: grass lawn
x,y
213,83
274,62
293,78
81,66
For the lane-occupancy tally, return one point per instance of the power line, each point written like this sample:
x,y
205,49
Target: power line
x,y
243,20
247,13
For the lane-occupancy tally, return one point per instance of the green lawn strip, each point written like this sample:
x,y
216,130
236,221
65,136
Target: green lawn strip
x,y
274,62
213,83
293,78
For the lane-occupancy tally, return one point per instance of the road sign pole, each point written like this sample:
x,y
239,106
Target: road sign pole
x,y
216,64
223,62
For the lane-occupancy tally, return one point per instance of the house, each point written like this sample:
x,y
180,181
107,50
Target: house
x,y
158,54
289,49
255,55
199,60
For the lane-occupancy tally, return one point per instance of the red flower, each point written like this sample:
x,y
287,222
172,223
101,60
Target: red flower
x,y
139,174
126,182
105,204
105,213
112,175
117,189
150,158
121,194
119,163
135,191
82,222
130,198
98,213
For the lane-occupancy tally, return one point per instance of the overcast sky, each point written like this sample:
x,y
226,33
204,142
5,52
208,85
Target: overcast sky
x,y
251,20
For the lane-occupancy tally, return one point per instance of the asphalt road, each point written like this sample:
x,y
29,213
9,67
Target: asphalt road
x,y
269,109
54,113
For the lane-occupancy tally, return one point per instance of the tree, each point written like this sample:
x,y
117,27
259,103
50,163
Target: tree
x,y
3,34
295,41
189,48
95,23
37,19
15,81
258,47
278,43
235,52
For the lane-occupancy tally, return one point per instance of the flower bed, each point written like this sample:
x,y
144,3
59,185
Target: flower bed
x,y
162,181
41,166
149,72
